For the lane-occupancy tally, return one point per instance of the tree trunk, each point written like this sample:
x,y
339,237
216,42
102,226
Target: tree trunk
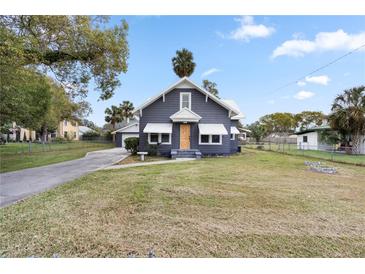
x,y
113,135
44,134
356,139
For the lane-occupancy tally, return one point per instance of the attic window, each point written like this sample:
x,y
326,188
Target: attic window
x,y
185,100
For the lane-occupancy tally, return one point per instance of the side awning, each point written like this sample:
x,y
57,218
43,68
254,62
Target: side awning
x,y
208,129
158,128
234,130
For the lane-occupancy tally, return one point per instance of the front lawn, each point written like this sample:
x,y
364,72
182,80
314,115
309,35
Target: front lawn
x,y
15,156
257,204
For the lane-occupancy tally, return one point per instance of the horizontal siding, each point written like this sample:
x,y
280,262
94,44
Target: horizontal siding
x,y
211,113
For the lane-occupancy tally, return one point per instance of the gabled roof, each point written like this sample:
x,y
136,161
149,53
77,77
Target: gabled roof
x,y
185,115
124,128
313,129
185,82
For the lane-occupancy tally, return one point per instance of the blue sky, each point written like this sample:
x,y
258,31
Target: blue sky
x,y
248,57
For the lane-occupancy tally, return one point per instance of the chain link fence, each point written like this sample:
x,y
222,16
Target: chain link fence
x,y
14,148
325,152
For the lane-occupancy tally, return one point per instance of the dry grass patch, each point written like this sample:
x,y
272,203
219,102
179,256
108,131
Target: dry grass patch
x,y
258,204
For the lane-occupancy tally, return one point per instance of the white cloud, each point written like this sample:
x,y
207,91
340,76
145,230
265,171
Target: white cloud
x,y
209,72
301,83
324,41
249,30
321,79
303,94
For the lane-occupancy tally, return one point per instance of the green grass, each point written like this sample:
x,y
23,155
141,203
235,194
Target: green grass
x,y
292,150
11,157
257,204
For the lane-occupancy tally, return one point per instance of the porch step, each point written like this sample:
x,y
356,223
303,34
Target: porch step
x,y
185,153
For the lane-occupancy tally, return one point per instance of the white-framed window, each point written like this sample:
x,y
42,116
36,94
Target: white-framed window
x,y
305,139
159,138
233,136
212,139
185,100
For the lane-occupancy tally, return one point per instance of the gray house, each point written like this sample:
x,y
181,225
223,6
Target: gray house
x,y
187,121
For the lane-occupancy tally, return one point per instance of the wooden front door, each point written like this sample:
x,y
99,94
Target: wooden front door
x,y
184,136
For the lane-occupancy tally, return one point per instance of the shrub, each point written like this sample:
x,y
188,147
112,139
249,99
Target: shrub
x,y
131,144
59,140
90,133
152,150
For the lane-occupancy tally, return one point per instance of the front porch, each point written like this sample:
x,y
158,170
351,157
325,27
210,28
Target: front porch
x,y
185,153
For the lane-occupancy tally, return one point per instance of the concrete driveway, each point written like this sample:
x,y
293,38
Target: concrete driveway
x,y
18,185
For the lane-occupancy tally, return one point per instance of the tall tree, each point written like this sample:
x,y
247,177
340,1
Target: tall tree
x,y
72,48
307,119
211,87
60,107
258,131
182,63
282,123
113,115
126,109
348,115
24,97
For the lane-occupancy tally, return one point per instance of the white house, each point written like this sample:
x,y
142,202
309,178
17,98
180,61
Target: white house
x,y
309,139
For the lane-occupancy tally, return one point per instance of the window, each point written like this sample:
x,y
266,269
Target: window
x,y
165,138
153,138
185,100
210,139
65,134
233,136
216,139
75,135
305,139
204,139
65,122
159,138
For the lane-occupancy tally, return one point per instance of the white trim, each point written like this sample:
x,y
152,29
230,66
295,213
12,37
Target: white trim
x,y
181,101
210,140
194,118
235,130
159,137
233,136
195,86
163,97
124,128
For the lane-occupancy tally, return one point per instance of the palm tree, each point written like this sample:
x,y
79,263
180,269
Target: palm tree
x,y
113,115
211,87
183,63
348,115
126,109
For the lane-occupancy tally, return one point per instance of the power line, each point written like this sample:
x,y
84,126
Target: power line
x,y
320,68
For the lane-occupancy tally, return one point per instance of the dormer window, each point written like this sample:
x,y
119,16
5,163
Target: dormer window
x,y
185,100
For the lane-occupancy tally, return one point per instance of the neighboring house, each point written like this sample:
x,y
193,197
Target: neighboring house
x,y
68,130
125,129
84,129
309,139
19,134
185,120
129,130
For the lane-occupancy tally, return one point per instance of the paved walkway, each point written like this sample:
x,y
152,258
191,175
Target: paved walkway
x,y
17,185
150,163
